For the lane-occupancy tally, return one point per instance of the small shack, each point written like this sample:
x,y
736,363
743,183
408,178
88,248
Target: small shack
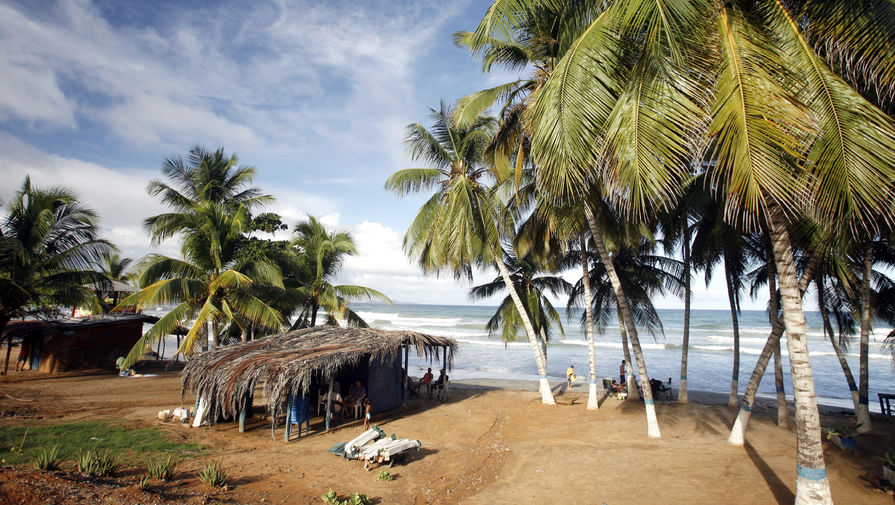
x,y
306,360
63,345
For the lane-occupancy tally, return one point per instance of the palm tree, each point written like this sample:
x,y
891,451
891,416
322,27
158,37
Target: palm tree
x,y
321,255
626,105
49,244
116,268
211,199
460,226
718,242
531,287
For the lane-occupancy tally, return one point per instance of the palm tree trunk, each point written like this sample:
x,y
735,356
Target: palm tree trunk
x,y
652,422
314,309
685,344
731,298
812,485
843,363
774,309
3,322
738,432
592,401
208,334
540,359
629,380
862,412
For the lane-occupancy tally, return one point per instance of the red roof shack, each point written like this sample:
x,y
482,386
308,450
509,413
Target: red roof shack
x,y
59,346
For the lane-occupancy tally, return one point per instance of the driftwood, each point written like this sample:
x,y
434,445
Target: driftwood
x,y
288,363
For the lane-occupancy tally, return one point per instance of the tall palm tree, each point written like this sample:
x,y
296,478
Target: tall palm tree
x,y
321,255
460,226
211,198
626,106
49,244
532,286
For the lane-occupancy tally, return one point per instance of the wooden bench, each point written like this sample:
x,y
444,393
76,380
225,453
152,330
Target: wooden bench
x,y
887,409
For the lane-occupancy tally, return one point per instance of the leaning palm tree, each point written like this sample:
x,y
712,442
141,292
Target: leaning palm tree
x,y
532,285
645,84
49,244
211,201
460,226
321,255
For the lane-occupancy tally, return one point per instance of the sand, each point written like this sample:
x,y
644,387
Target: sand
x,y
483,446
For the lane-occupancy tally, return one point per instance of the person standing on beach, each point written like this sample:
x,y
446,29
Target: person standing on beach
x,y
570,376
368,412
621,373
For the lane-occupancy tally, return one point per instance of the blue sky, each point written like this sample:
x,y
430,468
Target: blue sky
x,y
316,95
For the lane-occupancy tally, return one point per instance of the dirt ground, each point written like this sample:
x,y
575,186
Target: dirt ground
x,y
480,447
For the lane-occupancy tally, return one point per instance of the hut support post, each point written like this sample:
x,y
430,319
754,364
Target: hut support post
x,y
244,414
406,369
329,402
444,385
289,417
8,350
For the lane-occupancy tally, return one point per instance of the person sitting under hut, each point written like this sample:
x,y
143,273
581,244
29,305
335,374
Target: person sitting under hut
x,y
356,392
427,380
338,404
412,387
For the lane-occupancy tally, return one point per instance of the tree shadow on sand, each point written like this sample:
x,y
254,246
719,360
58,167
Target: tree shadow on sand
x,y
781,491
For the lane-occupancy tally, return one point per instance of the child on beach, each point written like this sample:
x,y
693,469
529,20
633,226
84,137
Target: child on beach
x,y
368,409
570,375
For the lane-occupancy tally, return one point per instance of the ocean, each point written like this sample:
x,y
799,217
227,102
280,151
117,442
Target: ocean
x,y
710,357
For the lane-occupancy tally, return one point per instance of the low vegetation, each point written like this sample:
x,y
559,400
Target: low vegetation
x,y
331,498
47,459
99,463
20,445
162,469
213,475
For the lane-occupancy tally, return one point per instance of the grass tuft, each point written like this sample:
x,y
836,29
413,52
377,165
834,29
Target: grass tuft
x,y
213,475
162,468
47,459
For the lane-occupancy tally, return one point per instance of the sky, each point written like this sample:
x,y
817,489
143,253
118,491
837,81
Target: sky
x,y
95,95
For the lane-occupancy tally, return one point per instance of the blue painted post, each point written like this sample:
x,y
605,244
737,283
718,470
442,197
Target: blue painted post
x,y
288,416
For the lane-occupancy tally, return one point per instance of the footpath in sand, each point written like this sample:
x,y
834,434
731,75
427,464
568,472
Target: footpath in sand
x,y
481,447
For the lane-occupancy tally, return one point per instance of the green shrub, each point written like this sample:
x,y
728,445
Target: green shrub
x,y
144,482
213,475
47,459
331,498
385,475
162,468
97,463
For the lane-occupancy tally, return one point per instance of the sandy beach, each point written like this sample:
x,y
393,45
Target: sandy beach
x,y
492,442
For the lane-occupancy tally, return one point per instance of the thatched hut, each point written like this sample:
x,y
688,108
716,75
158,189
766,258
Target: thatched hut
x,y
303,360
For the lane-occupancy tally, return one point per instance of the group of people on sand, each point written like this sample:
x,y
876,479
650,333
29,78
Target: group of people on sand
x,y
428,381
617,387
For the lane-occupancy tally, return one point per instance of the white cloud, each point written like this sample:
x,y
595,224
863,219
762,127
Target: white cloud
x,y
381,264
118,195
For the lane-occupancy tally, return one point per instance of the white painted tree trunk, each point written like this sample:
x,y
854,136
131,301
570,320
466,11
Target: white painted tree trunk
x,y
774,309
629,379
812,484
652,422
593,402
738,432
863,412
540,359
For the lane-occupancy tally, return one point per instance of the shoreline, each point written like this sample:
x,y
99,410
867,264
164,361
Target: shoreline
x,y
700,397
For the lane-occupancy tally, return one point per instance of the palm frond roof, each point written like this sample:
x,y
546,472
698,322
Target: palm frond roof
x,y
287,363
